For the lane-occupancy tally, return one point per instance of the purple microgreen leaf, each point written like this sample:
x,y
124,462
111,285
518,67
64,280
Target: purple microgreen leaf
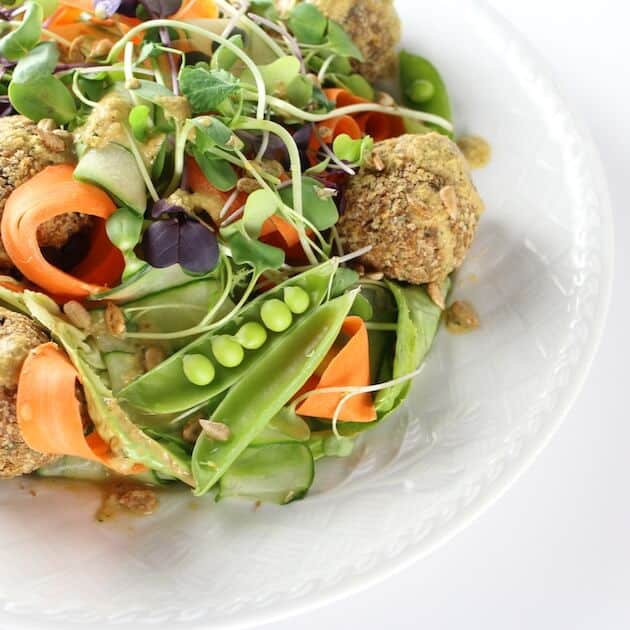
x,y
162,207
161,243
198,247
162,8
128,8
105,8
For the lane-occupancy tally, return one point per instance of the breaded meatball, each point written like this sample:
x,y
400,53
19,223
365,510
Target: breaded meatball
x,y
18,336
415,204
374,27
25,150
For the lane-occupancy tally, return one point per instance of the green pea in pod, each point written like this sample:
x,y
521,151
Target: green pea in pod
x,y
424,89
266,387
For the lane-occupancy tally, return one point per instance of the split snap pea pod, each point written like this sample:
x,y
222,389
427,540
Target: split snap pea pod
x,y
285,426
276,473
166,389
424,89
266,387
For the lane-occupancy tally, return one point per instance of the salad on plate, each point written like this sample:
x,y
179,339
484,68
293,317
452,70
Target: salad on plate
x,y
228,231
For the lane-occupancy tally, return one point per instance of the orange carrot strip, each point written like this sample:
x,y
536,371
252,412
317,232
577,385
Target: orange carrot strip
x,y
49,414
349,368
287,233
193,9
15,287
51,193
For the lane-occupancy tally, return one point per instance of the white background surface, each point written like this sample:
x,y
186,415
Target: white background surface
x,y
554,553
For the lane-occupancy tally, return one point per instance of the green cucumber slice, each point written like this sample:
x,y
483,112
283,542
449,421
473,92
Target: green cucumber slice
x,y
114,169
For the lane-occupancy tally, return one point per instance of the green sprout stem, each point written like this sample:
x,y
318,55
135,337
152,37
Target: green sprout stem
x,y
201,32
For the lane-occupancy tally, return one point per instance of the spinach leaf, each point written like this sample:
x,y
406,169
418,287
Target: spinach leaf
x,y
44,97
340,43
218,172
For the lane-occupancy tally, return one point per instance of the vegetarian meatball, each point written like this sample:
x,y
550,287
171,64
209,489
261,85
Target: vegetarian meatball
x,y
415,204
26,149
18,336
374,27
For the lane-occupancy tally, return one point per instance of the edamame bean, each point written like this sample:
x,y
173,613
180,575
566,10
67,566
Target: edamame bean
x,y
227,351
251,335
420,91
198,369
297,299
276,315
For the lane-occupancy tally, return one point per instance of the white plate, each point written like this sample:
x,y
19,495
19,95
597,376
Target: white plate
x,y
485,405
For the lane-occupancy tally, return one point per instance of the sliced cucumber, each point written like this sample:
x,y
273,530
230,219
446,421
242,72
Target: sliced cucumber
x,y
122,368
114,169
277,473
146,281
285,427
174,309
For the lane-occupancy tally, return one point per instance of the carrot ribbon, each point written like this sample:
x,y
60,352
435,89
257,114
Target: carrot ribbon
x,y
49,194
49,414
350,367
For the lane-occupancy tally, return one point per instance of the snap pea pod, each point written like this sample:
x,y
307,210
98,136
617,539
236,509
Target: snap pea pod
x,y
266,387
416,73
276,473
165,389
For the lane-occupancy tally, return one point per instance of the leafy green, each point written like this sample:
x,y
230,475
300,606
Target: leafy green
x,y
39,62
206,89
308,24
319,208
350,150
217,171
260,205
25,37
250,251
300,91
223,58
418,322
44,97
358,85
279,74
340,43
211,132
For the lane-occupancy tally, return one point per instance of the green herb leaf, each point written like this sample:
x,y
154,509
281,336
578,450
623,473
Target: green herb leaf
x,y
260,205
350,150
223,58
300,91
206,89
219,172
279,74
25,37
318,208
308,24
40,62
211,132
358,85
340,43
249,251
46,97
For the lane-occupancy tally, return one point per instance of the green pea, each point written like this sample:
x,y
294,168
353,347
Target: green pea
x,y
198,369
276,315
251,335
297,299
227,351
420,91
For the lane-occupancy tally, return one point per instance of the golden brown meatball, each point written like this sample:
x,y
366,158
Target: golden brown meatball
x,y
415,204
18,336
374,27
25,150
